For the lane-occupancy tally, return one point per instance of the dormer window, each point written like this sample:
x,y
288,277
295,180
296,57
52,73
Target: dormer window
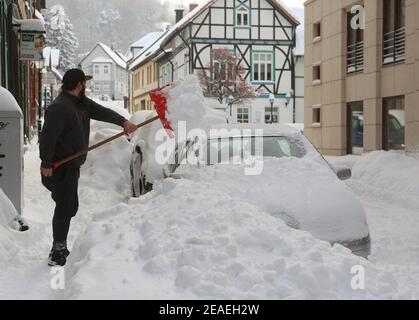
x,y
242,17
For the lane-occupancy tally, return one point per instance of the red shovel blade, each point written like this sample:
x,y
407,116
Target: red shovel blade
x,y
160,104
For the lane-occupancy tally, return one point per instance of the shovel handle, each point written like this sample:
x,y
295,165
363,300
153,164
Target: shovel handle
x,y
58,164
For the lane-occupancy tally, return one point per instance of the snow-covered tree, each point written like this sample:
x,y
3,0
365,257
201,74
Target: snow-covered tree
x,y
108,23
225,77
93,19
60,35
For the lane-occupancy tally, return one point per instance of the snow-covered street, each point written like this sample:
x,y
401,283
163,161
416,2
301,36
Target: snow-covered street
x,y
147,249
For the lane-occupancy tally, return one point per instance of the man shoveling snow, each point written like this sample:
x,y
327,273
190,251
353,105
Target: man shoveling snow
x,y
65,132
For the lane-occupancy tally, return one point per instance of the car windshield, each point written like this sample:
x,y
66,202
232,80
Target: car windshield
x,y
223,149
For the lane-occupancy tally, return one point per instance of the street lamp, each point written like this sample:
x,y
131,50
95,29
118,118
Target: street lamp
x,y
289,96
272,101
230,103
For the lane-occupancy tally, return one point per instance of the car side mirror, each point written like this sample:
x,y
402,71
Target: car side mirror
x,y
343,173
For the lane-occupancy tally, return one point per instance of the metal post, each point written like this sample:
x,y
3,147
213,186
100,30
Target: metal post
x,y
39,103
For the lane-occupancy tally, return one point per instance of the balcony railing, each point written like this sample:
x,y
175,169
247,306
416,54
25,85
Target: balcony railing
x,y
394,44
355,58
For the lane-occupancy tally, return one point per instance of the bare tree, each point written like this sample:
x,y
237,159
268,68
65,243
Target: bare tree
x,y
224,77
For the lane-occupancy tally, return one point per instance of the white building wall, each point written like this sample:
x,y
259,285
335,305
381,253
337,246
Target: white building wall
x,y
117,79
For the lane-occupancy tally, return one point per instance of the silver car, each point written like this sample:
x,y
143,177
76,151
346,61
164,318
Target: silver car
x,y
278,142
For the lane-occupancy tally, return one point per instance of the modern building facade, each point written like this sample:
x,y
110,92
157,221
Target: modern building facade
x,y
108,68
361,84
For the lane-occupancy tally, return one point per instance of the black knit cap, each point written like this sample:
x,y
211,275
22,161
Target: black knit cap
x,y
72,77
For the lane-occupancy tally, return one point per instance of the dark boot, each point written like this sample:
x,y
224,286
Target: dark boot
x,y
58,255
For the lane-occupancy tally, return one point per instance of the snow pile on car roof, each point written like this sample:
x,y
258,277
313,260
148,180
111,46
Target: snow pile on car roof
x,y
186,102
188,240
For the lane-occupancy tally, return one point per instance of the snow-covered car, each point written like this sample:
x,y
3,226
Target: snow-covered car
x,y
295,183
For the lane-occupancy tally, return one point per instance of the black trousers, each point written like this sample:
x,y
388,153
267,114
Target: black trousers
x,y
63,186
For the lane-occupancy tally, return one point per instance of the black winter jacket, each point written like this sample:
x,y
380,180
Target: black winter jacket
x,y
66,128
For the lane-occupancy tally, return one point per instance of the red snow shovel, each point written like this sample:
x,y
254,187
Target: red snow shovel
x,y
160,104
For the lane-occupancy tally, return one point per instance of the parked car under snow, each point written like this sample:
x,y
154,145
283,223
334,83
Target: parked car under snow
x,y
296,184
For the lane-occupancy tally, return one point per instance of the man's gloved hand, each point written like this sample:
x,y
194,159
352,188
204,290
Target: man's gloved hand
x,y
129,127
46,172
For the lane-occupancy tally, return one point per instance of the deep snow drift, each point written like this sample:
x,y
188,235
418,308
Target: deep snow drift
x,y
187,239
390,176
105,176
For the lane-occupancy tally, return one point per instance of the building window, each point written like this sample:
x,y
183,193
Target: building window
x,y
97,87
271,114
263,67
223,71
242,17
394,122
96,69
106,69
317,31
394,31
316,74
106,87
243,115
355,47
317,120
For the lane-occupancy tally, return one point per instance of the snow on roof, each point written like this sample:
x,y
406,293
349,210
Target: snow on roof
x,y
102,60
8,104
148,52
121,55
112,54
144,43
147,40
299,49
34,25
51,55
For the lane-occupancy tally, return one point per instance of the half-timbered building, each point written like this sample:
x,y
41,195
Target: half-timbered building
x,y
261,32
